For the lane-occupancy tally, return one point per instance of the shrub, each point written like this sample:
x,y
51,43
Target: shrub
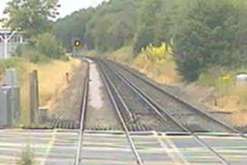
x,y
47,45
156,53
209,38
35,56
41,49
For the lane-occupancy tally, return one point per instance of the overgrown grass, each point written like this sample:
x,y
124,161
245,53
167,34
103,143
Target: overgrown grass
x,y
162,70
123,55
27,157
90,53
51,79
231,96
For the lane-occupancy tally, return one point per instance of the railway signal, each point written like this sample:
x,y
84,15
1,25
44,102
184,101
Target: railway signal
x,y
77,43
77,46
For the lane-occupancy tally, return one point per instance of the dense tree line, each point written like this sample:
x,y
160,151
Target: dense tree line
x,y
202,33
108,27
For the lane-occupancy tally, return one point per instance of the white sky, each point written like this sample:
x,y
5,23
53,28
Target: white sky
x,y
67,6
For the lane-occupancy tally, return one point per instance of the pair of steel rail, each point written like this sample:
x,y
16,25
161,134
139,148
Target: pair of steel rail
x,y
117,101
158,109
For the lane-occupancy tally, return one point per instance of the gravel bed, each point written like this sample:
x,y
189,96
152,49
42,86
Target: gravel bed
x,y
100,113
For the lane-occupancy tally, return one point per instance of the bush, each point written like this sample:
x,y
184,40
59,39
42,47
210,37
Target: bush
x,y
157,53
41,49
10,63
208,38
47,45
35,56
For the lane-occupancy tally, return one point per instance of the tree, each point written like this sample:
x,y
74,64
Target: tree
x,y
146,24
32,17
108,27
202,33
206,36
73,26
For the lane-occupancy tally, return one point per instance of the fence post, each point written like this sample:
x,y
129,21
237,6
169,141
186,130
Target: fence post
x,y
34,97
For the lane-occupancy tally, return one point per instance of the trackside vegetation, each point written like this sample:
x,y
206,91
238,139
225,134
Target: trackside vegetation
x,y
27,157
202,34
34,20
41,51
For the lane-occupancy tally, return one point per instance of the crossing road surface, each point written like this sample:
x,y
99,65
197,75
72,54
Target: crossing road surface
x,y
50,147
59,147
104,148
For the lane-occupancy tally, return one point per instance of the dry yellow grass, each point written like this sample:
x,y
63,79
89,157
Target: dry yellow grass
x,y
51,80
123,55
239,119
162,71
234,102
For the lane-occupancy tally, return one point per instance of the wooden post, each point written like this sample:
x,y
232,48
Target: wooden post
x,y
34,97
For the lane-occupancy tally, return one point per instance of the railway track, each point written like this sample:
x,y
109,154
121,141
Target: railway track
x,y
186,115
118,104
123,110
112,95
138,110
82,118
140,114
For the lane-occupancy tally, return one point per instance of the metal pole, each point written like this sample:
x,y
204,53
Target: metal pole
x,y
21,39
5,41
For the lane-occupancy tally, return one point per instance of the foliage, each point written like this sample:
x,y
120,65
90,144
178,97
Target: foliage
x,y
108,27
201,33
32,17
4,64
158,63
44,47
72,27
146,24
207,38
32,55
10,63
123,55
48,45
156,53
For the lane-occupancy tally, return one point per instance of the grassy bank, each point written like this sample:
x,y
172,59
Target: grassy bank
x,y
51,78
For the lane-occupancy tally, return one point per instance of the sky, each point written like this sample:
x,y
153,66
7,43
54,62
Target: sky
x,y
67,6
